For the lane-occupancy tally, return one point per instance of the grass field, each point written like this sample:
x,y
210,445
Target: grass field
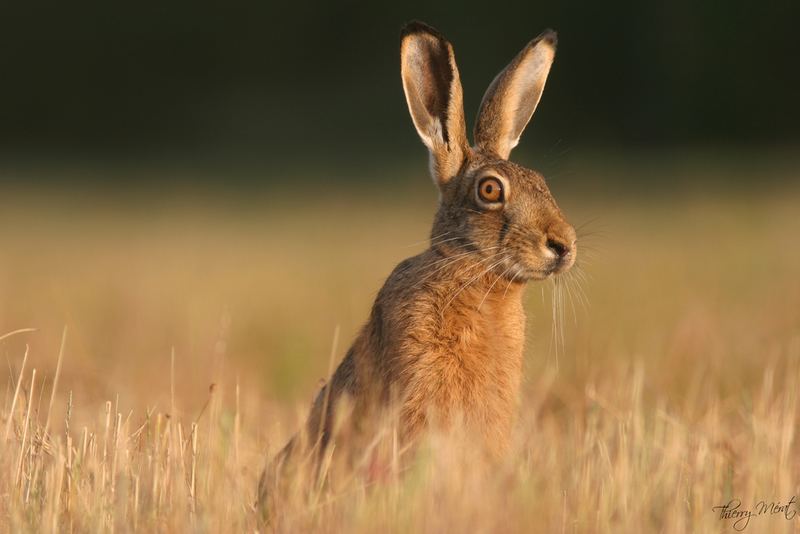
x,y
181,336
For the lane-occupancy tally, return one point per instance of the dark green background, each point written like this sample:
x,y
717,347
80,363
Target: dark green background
x,y
266,82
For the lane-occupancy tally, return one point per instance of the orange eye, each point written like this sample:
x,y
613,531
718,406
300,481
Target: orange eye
x,y
490,190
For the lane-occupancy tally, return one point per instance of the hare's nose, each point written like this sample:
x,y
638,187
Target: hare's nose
x,y
558,246
561,240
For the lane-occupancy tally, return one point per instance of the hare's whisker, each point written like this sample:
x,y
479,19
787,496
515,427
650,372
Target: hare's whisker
x,y
568,288
513,279
580,273
462,254
431,239
596,233
586,223
574,278
561,320
554,333
471,280
447,259
439,242
447,262
493,284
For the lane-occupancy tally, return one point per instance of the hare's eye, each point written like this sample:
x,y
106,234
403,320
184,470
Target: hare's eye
x,y
490,190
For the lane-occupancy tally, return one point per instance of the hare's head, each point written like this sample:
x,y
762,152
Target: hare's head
x,y
488,205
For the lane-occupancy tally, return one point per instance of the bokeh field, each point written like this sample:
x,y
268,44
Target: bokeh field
x,y
182,330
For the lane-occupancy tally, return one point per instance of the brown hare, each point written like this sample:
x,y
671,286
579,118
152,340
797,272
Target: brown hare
x,y
444,340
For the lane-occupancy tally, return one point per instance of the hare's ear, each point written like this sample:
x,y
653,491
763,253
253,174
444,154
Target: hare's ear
x,y
512,97
433,92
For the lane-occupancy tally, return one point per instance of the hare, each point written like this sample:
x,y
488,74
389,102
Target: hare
x,y
444,340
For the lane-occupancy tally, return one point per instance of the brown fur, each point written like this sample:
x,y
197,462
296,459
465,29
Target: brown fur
x,y
444,341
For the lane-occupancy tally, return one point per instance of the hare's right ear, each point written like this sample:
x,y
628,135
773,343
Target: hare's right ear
x,y
433,92
513,96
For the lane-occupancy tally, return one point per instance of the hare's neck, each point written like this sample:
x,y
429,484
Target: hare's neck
x,y
489,297
469,288
484,321
471,284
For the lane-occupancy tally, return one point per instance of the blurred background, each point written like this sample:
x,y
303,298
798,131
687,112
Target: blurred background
x,y
265,82
235,181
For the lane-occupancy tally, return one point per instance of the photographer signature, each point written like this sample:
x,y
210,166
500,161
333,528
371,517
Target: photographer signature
x,y
741,516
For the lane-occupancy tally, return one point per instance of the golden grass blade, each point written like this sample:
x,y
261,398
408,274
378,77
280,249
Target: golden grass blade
x,y
55,382
11,413
16,332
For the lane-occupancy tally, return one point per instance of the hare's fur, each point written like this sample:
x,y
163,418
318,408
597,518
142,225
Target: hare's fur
x,y
444,341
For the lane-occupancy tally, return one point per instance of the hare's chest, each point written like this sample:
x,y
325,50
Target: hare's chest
x,y
487,358
472,373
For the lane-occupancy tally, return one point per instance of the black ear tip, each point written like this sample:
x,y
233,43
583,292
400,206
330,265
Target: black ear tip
x,y
549,36
417,26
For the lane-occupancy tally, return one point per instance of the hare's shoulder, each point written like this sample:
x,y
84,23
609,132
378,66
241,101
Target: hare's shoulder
x,y
405,306
412,277
414,290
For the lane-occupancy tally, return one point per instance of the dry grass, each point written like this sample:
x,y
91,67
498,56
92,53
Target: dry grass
x,y
673,390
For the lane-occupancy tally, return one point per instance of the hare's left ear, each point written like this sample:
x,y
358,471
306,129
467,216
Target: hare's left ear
x,y
433,92
512,97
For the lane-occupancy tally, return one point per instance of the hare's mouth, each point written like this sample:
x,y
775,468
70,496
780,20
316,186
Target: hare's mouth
x,y
522,272
563,264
